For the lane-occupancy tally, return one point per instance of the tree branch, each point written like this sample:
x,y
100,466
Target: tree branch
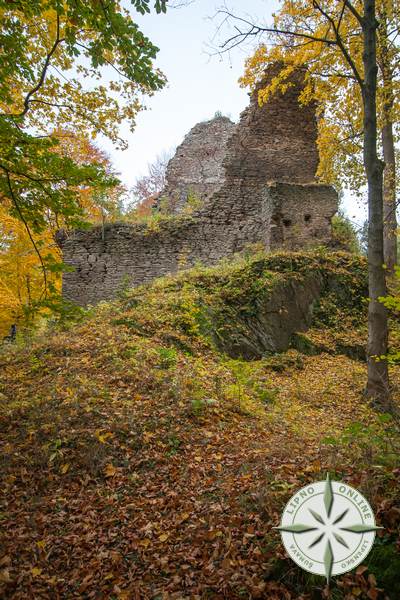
x,y
354,11
19,211
340,44
257,30
42,78
120,73
31,178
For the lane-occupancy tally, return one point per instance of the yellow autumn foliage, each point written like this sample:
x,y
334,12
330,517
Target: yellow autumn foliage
x,y
329,79
22,282
25,279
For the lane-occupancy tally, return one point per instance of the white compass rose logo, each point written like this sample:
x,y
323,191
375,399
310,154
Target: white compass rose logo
x,y
328,528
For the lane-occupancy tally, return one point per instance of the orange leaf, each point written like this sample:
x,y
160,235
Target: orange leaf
x,y
110,470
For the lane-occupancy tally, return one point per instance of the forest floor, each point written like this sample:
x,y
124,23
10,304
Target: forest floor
x,y
147,465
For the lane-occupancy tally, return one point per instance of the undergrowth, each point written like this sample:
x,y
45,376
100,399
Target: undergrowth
x,y
138,461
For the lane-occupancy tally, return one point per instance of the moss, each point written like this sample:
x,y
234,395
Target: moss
x,y
282,362
384,563
221,306
304,345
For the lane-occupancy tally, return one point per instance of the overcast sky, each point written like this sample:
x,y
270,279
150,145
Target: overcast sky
x,y
199,84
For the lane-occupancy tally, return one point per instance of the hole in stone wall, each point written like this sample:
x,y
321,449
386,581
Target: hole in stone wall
x,y
287,222
307,218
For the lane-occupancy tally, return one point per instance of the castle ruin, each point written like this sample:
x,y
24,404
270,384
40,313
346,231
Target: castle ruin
x,y
256,181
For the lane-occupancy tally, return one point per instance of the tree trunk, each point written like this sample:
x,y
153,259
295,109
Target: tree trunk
x,y
389,196
385,61
378,379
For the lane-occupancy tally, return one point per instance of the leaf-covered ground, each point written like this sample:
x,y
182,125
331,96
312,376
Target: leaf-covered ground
x,y
138,462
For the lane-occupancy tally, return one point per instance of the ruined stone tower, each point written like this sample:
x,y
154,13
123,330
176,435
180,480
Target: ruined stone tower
x,y
196,171
256,181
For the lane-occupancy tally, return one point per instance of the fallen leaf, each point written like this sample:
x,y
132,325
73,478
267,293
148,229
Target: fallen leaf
x,y
184,517
110,470
103,437
5,576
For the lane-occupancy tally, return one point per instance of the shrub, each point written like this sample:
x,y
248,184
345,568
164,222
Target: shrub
x,y
344,234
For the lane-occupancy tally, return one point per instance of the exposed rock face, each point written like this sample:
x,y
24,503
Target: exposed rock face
x,y
262,305
286,310
257,181
196,169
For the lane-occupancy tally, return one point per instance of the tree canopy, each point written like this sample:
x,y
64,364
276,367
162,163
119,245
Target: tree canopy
x,y
81,65
70,71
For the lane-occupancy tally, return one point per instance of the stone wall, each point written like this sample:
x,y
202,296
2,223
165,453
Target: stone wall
x,y
277,141
262,191
107,258
196,170
301,214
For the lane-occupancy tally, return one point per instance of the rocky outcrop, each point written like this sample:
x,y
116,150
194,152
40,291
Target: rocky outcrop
x,y
277,314
263,304
266,304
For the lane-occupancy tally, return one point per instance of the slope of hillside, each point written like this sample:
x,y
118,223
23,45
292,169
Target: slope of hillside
x,y
143,457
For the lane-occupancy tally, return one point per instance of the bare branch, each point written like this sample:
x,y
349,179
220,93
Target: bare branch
x,y
255,30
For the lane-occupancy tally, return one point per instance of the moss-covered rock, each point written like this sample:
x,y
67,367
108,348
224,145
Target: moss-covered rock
x,y
252,306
